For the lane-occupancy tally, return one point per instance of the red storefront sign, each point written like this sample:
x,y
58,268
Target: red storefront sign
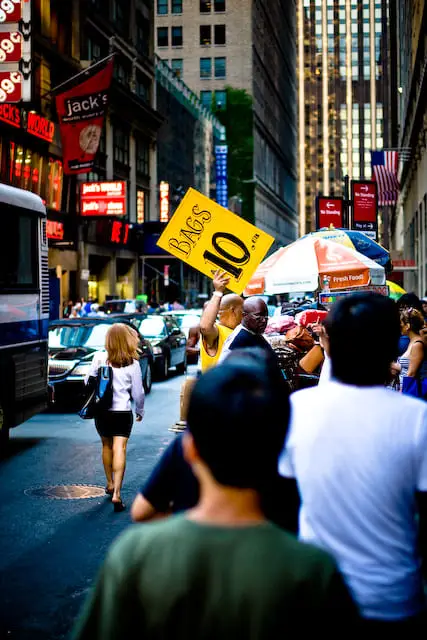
x,y
15,51
54,230
40,127
10,114
10,46
119,232
11,10
81,112
365,207
103,198
329,211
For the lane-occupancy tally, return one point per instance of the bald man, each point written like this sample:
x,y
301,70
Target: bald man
x,y
249,332
228,310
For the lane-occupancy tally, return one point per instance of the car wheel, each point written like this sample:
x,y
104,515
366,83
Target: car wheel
x,y
148,379
165,368
182,367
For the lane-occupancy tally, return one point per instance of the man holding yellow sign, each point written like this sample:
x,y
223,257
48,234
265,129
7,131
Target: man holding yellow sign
x,y
208,237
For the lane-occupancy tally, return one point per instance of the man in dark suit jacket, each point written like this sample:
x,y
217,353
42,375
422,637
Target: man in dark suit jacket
x,y
249,332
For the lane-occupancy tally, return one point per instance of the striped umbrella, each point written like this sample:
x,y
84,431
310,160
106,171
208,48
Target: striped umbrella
x,y
395,290
355,240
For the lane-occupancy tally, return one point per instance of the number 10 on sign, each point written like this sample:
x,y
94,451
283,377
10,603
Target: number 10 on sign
x,y
208,237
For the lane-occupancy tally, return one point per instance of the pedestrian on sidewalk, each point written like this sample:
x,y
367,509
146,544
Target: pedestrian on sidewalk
x,y
359,454
412,363
114,426
220,570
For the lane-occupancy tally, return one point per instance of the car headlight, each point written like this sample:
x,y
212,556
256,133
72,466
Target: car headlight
x,y
157,351
81,369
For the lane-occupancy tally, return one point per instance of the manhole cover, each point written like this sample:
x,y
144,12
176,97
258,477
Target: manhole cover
x,y
67,492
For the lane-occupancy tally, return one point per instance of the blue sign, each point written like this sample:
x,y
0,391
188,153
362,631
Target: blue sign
x,y
221,151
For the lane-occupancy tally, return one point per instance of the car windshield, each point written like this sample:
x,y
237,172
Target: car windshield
x,y
89,337
152,327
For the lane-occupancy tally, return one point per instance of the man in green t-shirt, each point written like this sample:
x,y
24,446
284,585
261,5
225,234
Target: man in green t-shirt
x,y
221,570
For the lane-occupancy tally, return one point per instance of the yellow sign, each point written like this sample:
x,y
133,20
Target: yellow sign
x,y
208,237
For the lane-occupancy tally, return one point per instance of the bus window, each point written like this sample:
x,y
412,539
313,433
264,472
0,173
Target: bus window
x,y
19,252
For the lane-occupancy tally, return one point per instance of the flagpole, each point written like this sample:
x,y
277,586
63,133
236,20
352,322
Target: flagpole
x,y
81,73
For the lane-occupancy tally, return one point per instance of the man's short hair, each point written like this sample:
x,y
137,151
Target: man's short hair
x,y
238,417
364,331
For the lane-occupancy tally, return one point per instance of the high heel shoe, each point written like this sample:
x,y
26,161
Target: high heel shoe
x,y
119,506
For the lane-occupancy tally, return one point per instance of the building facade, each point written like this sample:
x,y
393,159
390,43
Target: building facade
x,y
91,257
243,44
345,105
410,224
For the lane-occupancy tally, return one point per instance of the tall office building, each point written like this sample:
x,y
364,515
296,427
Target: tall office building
x,y
344,105
244,44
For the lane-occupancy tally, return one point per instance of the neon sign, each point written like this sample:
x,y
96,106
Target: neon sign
x,y
40,126
103,198
15,51
54,230
164,202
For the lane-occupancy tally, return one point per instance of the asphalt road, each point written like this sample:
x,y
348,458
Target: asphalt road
x,y
51,549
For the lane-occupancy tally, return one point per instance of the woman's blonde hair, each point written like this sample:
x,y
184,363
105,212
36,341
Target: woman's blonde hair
x,y
122,344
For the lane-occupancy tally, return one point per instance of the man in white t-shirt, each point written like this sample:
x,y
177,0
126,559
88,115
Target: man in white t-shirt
x,y
358,452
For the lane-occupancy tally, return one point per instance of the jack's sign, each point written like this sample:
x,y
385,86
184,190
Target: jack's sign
x,y
208,237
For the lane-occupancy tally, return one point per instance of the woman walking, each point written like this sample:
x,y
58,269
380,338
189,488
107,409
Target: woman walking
x,y
114,425
412,362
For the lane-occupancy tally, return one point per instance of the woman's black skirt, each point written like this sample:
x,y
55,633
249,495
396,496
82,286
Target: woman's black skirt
x,y
114,423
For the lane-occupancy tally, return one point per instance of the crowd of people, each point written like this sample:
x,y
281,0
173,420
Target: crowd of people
x,y
277,512
83,309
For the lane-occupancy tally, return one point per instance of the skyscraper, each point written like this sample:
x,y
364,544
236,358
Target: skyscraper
x,y
250,45
343,76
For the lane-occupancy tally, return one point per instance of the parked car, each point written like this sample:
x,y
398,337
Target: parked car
x,y
72,345
168,341
187,320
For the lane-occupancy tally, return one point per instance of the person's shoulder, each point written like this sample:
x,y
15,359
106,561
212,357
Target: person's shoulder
x,y
301,556
137,539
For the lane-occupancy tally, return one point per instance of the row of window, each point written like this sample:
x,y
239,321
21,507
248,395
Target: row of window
x,y
121,151
207,98
208,36
175,6
220,68
163,36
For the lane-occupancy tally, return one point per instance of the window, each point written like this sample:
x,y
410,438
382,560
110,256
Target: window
x,y
205,68
93,50
142,157
219,6
121,146
221,100
162,7
205,35
205,6
120,16
121,74
18,255
220,34
142,89
143,35
162,37
176,6
206,98
177,36
220,68
177,65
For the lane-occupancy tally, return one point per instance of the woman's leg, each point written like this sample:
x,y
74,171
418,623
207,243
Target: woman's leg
x,y
119,465
107,460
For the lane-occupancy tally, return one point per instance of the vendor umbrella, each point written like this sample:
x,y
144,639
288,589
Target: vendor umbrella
x,y
302,265
355,240
395,291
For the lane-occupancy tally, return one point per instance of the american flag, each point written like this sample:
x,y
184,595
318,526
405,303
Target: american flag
x,y
384,169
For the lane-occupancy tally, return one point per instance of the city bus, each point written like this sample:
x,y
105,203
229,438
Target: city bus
x,y
24,308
